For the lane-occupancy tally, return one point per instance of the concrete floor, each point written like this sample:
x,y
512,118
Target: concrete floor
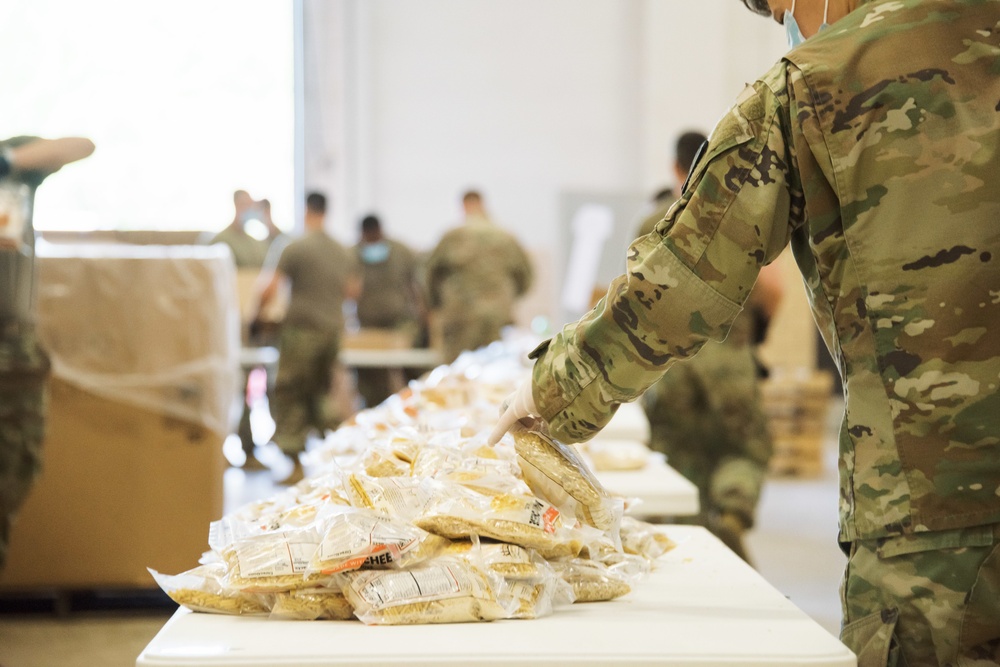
x,y
794,546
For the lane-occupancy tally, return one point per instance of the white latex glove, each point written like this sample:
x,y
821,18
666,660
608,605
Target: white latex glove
x,y
519,405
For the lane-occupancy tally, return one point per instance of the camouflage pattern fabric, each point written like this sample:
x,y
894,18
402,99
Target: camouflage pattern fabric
x,y
474,276
706,417
301,391
879,163
650,221
926,599
884,175
24,372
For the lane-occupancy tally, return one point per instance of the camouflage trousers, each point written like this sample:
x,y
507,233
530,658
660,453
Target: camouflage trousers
x,y
24,371
302,387
925,599
705,416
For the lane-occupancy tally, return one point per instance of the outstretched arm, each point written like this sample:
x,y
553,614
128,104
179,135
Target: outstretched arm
x,y
49,155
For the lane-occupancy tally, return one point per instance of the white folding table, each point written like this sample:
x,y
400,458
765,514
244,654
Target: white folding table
x,y
702,606
663,491
390,358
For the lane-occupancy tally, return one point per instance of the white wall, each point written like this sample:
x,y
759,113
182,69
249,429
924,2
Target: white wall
x,y
521,98
697,58
409,103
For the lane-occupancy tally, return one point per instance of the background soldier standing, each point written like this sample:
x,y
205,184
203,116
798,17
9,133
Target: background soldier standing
x,y
322,274
390,298
24,367
248,252
474,276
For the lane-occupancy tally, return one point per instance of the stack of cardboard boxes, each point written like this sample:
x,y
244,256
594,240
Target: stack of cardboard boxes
x,y
796,404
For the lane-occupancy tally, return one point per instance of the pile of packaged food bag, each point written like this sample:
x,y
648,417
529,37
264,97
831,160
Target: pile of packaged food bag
x,y
410,517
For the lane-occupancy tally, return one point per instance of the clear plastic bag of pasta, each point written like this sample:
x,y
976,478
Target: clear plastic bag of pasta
x,y
557,473
272,562
263,557
459,512
398,497
353,538
444,590
313,604
540,595
510,561
593,581
533,586
203,589
644,539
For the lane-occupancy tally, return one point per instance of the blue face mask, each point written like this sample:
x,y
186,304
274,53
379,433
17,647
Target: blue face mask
x,y
375,253
792,29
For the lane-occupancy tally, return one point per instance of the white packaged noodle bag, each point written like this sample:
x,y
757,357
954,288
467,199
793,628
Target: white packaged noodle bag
x,y
533,586
203,589
556,472
444,590
353,538
273,562
644,539
540,595
510,561
313,604
459,512
399,497
593,581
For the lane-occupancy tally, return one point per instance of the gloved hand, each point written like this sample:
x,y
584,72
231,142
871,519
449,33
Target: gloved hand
x,y
518,406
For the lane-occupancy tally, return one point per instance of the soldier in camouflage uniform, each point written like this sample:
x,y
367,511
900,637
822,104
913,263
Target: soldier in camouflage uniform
x,y
474,276
390,299
706,416
248,252
322,274
24,366
874,149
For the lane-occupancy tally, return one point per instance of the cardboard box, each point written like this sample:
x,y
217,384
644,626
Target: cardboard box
x,y
122,489
144,345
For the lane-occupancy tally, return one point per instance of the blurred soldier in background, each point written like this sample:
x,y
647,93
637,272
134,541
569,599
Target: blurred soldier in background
x,y
24,367
248,252
706,415
252,254
322,274
474,276
390,299
275,237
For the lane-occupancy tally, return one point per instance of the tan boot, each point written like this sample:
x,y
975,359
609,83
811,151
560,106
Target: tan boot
x,y
297,475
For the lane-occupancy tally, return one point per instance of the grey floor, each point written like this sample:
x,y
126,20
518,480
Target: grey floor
x,y
794,546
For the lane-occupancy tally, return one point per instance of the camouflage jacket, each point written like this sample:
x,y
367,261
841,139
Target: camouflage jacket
x,y
874,149
475,263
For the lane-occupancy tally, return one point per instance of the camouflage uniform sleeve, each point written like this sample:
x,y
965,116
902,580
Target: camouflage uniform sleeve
x,y
686,281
